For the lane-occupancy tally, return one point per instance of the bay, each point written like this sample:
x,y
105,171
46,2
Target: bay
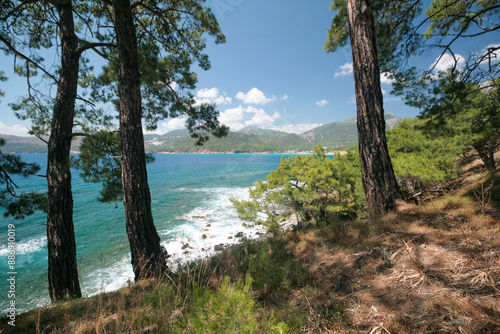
x,y
190,198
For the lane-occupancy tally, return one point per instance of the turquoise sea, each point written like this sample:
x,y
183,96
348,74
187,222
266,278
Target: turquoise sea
x,y
188,192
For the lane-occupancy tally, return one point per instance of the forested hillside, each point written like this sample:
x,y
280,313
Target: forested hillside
x,y
251,139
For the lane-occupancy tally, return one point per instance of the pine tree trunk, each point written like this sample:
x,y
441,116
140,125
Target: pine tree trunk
x,y
148,257
63,272
486,152
379,181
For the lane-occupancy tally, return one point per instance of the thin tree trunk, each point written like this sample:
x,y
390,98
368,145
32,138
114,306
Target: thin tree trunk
x,y
379,181
148,257
63,272
486,152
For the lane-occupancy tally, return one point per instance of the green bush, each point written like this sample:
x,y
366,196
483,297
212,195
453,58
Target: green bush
x,y
315,187
271,264
421,160
230,309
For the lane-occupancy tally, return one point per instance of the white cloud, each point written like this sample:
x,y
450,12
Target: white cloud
x,y
344,70
171,124
232,118
297,128
384,78
223,100
447,61
15,130
254,96
284,98
211,95
322,103
239,117
261,118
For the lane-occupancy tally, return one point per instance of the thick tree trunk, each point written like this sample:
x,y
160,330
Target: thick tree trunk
x,y
379,181
148,257
63,272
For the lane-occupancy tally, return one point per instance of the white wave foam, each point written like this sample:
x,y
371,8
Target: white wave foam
x,y
25,247
110,278
213,224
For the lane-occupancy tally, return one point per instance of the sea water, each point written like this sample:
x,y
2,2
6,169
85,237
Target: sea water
x,y
191,209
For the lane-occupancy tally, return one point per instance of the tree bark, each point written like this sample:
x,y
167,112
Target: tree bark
x,y
486,152
148,257
379,181
63,271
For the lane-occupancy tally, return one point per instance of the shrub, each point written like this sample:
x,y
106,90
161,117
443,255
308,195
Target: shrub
x,y
419,159
230,309
315,187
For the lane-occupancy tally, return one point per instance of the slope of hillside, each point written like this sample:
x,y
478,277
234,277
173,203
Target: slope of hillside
x,y
432,268
341,134
16,144
237,142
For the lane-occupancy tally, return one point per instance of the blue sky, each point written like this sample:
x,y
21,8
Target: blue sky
x,y
271,72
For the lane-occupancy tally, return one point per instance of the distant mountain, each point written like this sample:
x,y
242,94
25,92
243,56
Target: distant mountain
x,y
255,130
342,134
15,144
250,139
239,142
168,139
32,144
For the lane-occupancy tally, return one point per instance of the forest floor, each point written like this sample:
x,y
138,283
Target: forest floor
x,y
430,268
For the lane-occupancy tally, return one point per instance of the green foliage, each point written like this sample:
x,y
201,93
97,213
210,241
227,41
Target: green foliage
x,y
452,18
27,29
229,309
315,187
456,100
421,159
166,55
100,162
459,109
16,205
2,78
271,265
394,29
468,111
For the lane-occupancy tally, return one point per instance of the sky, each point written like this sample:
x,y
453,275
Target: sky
x,y
272,71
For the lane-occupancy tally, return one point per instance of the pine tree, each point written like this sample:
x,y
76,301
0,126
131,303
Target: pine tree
x,y
148,256
151,71
26,27
381,187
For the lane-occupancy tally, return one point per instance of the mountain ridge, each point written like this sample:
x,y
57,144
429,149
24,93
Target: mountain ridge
x,y
250,139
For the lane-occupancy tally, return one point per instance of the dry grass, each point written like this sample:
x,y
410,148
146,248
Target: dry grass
x,y
433,268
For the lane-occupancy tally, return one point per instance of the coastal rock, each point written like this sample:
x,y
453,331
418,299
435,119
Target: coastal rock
x,y
204,236
239,235
219,247
229,238
208,225
289,223
185,246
